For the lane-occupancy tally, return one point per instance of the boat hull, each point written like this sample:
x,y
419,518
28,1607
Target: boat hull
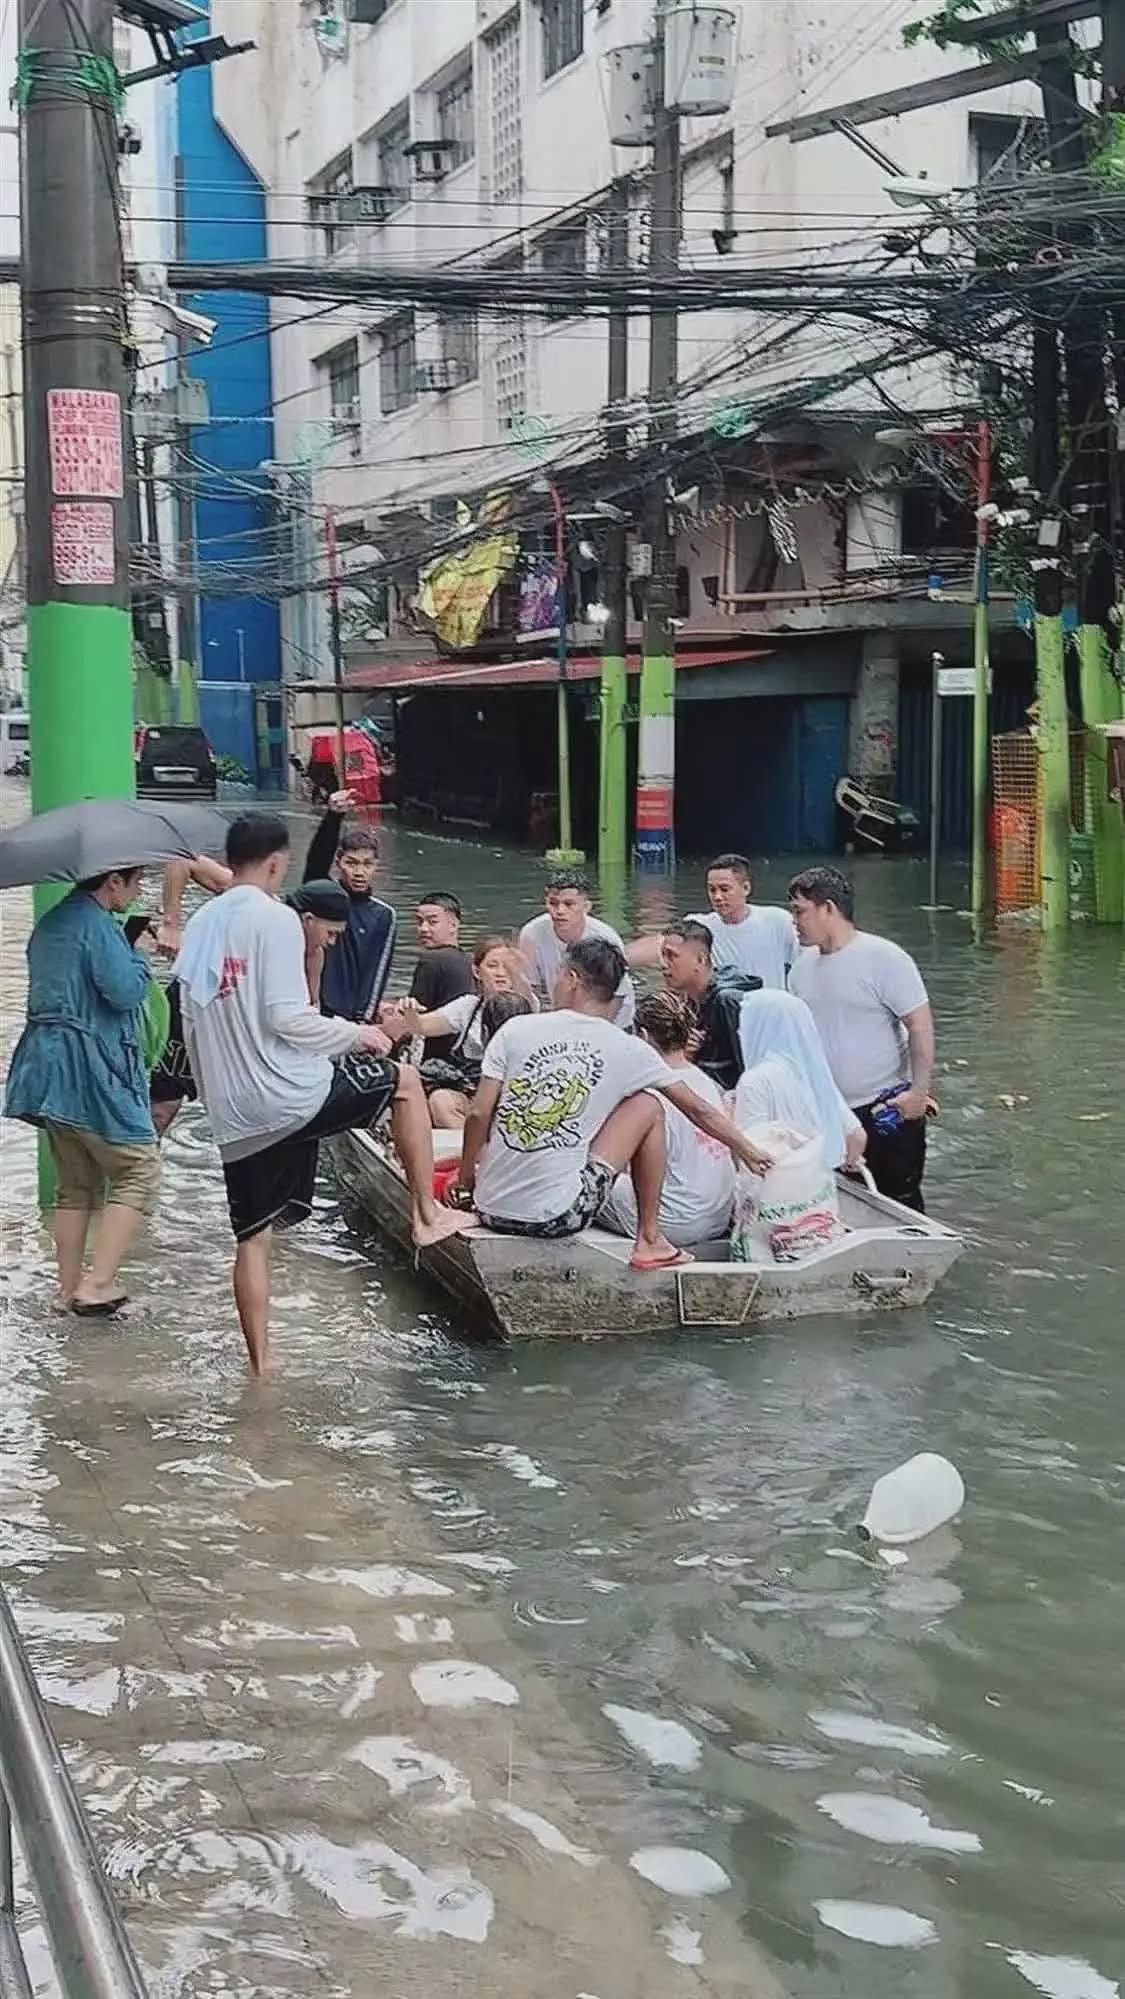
x,y
583,1287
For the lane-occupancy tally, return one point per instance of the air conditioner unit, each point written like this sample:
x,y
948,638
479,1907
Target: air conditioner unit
x,y
436,378
431,159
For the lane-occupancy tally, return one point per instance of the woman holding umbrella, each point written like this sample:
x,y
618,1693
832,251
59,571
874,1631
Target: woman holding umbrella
x,y
77,1073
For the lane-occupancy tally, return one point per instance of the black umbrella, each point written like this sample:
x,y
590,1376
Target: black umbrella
x,y
100,834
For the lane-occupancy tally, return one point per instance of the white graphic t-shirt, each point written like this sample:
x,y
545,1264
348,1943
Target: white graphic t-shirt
x,y
859,998
562,1075
544,954
763,944
698,1191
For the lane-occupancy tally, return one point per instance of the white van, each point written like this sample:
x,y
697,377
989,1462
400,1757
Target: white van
x,y
15,737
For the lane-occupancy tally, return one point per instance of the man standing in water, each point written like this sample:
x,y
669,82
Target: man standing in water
x,y
873,1013
567,920
750,939
276,1075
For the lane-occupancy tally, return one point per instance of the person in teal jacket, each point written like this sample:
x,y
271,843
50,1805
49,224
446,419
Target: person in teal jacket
x,y
78,1073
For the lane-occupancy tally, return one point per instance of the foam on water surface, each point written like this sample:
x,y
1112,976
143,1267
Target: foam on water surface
x,y
893,1822
667,1745
679,1870
460,1683
877,1922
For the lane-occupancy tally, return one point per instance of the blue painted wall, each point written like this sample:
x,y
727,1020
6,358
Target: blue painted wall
x,y
223,216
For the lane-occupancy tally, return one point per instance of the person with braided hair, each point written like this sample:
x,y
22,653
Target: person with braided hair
x,y
698,1192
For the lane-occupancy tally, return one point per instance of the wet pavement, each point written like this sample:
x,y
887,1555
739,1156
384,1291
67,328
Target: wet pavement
x,y
437,1668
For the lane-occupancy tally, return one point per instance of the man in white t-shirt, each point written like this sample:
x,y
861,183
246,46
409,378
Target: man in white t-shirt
x,y
873,1015
275,1074
562,1109
567,921
755,940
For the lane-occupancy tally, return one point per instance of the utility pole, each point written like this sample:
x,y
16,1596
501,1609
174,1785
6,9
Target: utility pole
x,y
656,754
75,385
332,550
614,690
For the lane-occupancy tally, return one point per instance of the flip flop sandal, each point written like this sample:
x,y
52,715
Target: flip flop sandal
x,y
105,1309
674,1262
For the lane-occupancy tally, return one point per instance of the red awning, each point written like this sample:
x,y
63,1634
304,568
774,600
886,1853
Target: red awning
x,y
401,677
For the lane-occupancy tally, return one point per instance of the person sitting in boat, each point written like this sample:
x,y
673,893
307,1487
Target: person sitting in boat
x,y
449,1080
698,1191
564,1107
687,963
786,1078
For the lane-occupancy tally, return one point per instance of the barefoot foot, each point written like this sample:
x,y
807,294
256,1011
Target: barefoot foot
x,y
441,1223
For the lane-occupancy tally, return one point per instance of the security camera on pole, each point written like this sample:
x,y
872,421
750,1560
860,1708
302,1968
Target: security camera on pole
x,y
691,76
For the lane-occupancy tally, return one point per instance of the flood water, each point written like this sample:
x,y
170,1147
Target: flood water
x,y
443,1669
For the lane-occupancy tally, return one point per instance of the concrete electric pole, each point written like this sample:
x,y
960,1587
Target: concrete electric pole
x,y
614,687
656,753
78,634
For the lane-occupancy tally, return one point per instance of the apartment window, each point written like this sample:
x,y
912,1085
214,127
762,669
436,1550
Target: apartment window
x,y
562,25
328,205
562,254
341,371
394,161
460,346
1003,148
509,362
505,122
456,117
398,361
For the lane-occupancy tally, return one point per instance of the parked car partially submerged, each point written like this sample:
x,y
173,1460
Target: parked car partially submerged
x,y
173,761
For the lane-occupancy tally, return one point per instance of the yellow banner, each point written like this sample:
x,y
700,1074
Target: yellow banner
x,y
456,590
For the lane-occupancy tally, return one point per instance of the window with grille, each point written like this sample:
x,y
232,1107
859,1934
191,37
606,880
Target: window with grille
x,y
394,161
509,362
328,205
562,254
460,346
562,25
505,121
456,117
340,369
398,362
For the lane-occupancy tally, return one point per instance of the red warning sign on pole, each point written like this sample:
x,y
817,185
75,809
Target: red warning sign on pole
x,y
84,431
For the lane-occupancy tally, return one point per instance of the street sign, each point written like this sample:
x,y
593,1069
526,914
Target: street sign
x,y
956,680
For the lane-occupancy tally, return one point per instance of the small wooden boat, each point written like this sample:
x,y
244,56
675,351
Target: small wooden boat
x,y
583,1286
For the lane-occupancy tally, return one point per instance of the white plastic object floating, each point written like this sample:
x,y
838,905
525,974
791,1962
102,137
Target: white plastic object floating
x,y
913,1500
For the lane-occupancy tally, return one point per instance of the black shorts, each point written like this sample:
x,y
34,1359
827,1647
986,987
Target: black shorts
x,y
273,1189
896,1160
171,1081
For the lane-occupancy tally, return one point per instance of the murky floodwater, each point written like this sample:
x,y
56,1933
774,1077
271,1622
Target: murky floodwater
x,y
437,1669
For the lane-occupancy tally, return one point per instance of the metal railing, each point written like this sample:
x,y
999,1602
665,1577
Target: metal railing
x,y
92,1954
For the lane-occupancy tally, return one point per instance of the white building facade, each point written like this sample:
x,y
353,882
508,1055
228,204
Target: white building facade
x,y
467,129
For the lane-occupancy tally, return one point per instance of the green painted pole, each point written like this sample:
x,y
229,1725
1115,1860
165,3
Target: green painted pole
x,y
1054,773
187,695
612,771
978,880
1101,702
72,279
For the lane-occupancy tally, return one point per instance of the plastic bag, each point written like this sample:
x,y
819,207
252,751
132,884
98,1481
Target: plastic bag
x,y
793,1210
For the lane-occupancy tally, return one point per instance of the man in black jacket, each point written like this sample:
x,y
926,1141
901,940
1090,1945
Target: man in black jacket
x,y
357,967
685,958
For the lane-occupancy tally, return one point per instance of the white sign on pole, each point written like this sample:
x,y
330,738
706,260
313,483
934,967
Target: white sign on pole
x,y
84,433
956,680
82,543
